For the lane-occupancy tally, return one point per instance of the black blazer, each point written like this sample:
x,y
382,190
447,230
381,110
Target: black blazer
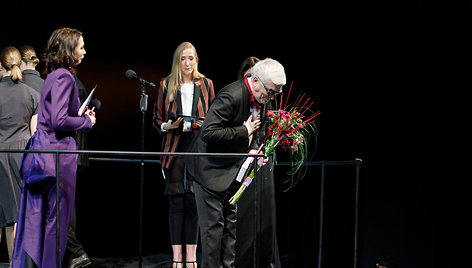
x,y
222,132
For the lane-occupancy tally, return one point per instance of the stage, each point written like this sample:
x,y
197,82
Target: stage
x,y
378,74
153,261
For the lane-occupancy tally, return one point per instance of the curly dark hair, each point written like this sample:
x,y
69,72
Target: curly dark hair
x,y
59,52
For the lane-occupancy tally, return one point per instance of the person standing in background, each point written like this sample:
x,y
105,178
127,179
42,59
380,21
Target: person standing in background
x,y
29,61
184,92
75,256
264,228
58,119
18,117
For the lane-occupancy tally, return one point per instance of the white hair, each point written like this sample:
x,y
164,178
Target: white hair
x,y
270,70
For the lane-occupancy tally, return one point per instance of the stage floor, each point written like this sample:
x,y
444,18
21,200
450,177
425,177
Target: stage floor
x,y
153,261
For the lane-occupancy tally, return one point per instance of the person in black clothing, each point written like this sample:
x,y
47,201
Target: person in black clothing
x,y
261,204
188,92
75,256
229,127
29,61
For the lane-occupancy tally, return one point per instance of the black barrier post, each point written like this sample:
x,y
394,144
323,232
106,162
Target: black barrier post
x,y
356,210
143,103
320,239
255,258
58,214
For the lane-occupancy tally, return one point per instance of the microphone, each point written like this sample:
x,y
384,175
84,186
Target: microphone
x,y
95,104
173,116
130,74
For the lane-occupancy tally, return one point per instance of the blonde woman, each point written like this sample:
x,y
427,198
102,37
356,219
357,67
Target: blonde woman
x,y
18,117
183,99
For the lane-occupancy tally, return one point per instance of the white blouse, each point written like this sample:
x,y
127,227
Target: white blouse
x,y
186,91
187,101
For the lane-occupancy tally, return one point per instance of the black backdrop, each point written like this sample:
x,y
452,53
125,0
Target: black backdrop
x,y
377,72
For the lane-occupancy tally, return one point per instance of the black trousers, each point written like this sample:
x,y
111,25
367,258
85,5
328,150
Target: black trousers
x,y
29,263
256,226
183,219
217,219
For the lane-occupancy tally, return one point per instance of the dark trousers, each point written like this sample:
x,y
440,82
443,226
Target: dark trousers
x,y
74,247
183,219
217,219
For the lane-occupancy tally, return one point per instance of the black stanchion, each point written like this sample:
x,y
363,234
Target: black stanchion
x,y
58,213
143,103
356,211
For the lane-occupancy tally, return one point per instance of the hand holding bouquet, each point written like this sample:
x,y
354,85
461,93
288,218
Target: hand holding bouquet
x,y
289,128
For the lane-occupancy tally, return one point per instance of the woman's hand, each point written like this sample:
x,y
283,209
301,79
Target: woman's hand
x,y
199,123
91,115
173,124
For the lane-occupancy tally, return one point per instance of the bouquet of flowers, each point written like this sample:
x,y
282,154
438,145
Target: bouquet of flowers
x,y
290,128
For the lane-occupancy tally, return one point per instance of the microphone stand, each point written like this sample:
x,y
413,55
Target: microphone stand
x,y
143,103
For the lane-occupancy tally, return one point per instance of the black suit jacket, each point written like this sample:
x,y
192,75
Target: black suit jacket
x,y
222,132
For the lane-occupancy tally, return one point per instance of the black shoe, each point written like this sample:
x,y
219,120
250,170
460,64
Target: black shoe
x,y
81,261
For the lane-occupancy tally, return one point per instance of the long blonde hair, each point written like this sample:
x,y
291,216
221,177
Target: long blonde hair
x,y
175,77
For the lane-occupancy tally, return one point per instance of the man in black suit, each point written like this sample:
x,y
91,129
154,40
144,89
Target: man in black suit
x,y
229,126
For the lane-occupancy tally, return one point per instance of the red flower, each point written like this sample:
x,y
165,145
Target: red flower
x,y
286,115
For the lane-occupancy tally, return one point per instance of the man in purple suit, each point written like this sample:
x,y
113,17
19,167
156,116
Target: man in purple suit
x,y
58,119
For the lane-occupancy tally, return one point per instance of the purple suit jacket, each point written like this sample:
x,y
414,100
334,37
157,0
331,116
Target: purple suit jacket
x,y
57,123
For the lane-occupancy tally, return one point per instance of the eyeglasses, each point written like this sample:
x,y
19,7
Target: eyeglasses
x,y
271,92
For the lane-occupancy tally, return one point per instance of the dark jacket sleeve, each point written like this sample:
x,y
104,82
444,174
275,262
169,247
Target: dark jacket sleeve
x,y
220,128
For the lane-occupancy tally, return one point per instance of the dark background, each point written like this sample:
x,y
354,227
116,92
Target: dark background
x,y
384,75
